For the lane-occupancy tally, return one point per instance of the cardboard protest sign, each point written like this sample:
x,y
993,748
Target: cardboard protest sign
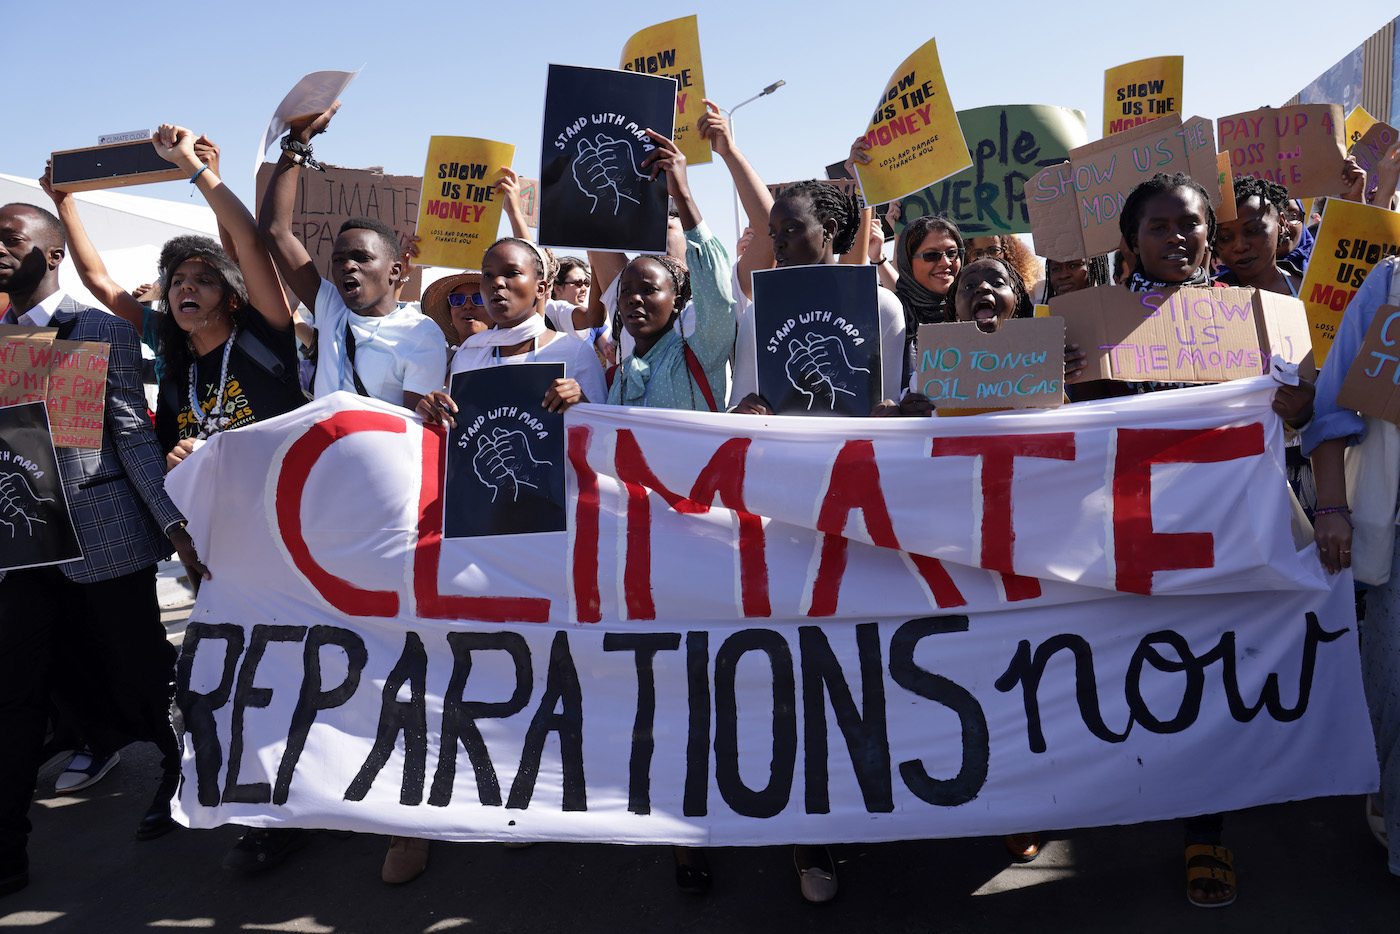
x,y
1370,149
530,201
1074,206
311,95
35,526
1020,366
1226,210
672,49
1298,147
1008,145
1357,123
69,377
817,332
594,193
325,200
505,458
1182,334
1140,91
1351,240
1372,385
914,136
458,211
112,166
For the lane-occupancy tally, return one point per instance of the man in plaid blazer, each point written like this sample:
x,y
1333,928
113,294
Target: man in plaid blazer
x,y
87,633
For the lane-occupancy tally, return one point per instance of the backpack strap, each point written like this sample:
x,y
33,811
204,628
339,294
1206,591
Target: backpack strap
x,y
262,355
350,354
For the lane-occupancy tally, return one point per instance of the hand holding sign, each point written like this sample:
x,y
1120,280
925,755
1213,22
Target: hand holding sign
x,y
304,127
714,129
503,462
817,367
606,172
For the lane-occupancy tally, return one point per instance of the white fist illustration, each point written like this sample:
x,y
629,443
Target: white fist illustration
x,y
605,171
19,505
817,367
503,462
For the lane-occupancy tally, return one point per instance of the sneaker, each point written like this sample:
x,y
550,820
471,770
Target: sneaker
x,y
261,848
14,875
816,873
84,770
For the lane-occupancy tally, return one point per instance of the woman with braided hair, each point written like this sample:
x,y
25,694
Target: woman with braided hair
x,y
810,224
672,366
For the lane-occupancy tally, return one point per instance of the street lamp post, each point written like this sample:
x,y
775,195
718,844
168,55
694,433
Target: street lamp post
x,y
738,209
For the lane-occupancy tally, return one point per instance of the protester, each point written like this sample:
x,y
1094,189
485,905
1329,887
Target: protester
x,y
457,300
95,621
366,342
1376,559
1012,249
1074,275
673,364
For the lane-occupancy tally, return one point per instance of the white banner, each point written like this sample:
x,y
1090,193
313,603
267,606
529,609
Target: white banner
x,y
766,630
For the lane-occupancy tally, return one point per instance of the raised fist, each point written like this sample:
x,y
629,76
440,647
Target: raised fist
x,y
19,504
817,367
606,172
504,463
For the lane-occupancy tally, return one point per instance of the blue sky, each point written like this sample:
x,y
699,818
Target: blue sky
x,y
435,68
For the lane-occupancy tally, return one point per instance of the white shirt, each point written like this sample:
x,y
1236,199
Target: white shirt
x,y
40,315
580,363
561,314
403,351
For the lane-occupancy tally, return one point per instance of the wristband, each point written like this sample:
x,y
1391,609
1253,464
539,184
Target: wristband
x,y
201,171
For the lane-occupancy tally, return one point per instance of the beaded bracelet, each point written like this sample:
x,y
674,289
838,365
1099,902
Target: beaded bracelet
x,y
1345,512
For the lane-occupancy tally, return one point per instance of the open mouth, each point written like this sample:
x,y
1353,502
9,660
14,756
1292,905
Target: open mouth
x,y
984,313
349,285
188,306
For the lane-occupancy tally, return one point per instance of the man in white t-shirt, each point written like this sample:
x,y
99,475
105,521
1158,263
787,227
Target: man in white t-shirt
x,y
366,342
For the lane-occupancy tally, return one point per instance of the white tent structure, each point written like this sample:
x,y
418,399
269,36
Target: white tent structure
x,y
127,229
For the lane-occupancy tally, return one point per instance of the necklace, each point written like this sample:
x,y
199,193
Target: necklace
x,y
216,421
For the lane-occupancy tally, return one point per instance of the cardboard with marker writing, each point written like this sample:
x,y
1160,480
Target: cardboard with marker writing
x,y
69,377
594,193
817,334
530,201
914,137
1182,334
325,200
1299,147
1370,149
36,528
1351,240
672,49
1074,206
1008,144
459,211
1020,366
505,458
1141,91
1372,385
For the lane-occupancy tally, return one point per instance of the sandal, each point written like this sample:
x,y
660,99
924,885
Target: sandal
x,y
1215,863
1023,847
692,869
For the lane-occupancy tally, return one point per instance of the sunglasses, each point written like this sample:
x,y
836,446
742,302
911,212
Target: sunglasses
x,y
581,283
933,256
457,299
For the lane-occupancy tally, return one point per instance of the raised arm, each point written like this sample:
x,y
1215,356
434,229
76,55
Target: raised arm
x,y
508,185
177,144
753,194
91,270
275,216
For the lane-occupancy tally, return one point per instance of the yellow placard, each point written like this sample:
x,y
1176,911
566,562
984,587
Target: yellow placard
x,y
1352,239
459,211
1042,311
1358,122
1141,91
672,49
914,136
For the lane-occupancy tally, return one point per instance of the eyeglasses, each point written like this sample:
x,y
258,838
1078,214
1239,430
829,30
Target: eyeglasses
x,y
457,299
933,256
979,252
